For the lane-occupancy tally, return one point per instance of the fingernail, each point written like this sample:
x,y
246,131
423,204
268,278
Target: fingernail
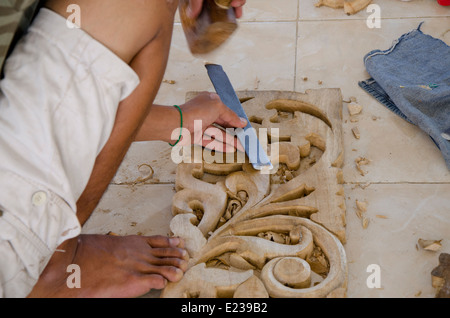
x,y
214,96
243,121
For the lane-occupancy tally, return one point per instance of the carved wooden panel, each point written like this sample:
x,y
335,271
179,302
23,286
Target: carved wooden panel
x,y
269,235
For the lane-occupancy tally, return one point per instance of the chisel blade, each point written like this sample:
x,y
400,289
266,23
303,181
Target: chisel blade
x,y
247,136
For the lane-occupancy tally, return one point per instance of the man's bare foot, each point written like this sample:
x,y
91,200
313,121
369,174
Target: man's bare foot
x,y
113,266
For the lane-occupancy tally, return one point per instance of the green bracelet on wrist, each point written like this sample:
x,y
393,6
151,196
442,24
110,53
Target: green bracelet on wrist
x,y
181,126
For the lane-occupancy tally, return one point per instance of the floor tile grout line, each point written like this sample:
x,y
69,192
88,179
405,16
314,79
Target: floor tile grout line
x,y
368,183
299,20
356,183
322,19
364,19
296,46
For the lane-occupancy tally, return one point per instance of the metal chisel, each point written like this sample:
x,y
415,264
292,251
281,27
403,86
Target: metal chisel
x,y
247,136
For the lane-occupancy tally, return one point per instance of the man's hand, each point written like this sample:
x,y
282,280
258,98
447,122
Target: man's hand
x,y
208,109
195,7
162,123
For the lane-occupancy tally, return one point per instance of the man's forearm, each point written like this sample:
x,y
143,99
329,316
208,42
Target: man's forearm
x,y
159,124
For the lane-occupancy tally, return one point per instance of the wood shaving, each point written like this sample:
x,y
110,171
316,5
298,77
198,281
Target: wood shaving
x,y
361,205
356,133
354,109
361,209
274,237
330,3
363,186
257,81
430,245
361,161
365,222
318,262
359,214
350,6
143,169
352,99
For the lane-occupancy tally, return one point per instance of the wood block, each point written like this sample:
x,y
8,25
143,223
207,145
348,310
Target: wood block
x,y
240,224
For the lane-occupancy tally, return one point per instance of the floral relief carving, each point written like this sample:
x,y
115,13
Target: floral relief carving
x,y
250,234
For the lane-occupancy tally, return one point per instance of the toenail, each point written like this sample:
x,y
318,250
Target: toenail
x,y
179,273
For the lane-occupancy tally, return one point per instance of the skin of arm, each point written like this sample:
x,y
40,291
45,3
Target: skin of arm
x,y
160,121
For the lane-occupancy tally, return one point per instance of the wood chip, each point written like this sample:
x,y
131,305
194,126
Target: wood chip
x,y
381,216
360,161
354,109
257,81
365,222
355,131
361,171
363,186
361,208
430,245
361,205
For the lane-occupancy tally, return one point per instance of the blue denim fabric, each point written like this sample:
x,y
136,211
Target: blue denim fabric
x,y
412,79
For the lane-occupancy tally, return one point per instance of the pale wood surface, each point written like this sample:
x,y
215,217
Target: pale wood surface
x,y
245,224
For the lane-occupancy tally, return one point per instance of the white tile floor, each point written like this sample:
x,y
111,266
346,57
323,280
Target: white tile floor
x,y
277,45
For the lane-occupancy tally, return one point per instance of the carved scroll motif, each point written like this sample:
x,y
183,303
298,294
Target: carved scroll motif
x,y
259,235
